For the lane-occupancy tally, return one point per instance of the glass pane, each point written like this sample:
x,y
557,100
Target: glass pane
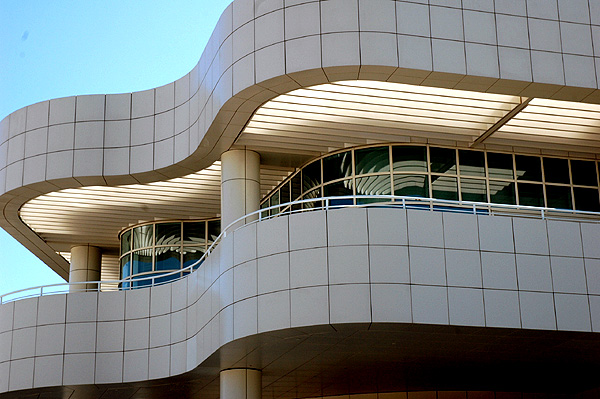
x,y
337,166
472,163
372,160
336,189
584,173
214,229
444,188
142,261
474,190
373,185
528,168
168,233
194,233
126,242
167,258
556,170
411,185
502,192
284,193
125,267
274,201
586,199
443,160
312,194
296,187
311,176
558,197
142,236
531,194
409,159
500,166
191,255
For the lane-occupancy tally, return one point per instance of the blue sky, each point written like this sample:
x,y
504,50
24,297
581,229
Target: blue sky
x,y
51,49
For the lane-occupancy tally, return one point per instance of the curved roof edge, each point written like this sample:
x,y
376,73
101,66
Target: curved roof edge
x,y
257,51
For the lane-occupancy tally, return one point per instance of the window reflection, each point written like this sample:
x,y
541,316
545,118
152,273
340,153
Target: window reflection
x,y
528,168
500,166
372,160
442,160
474,190
472,163
444,188
409,159
411,185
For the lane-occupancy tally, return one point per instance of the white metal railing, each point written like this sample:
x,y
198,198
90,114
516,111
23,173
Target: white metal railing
x,y
321,203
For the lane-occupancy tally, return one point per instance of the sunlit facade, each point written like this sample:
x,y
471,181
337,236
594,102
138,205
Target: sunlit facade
x,y
379,198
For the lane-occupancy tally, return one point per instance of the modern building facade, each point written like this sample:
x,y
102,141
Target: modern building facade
x,y
400,200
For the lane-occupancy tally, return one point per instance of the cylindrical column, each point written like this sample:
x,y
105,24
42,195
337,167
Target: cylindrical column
x,y
241,384
240,185
86,262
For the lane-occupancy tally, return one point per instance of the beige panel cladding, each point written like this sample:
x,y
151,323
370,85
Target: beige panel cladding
x,y
261,49
322,268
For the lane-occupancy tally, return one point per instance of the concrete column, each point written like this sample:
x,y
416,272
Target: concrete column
x,y
240,185
86,262
241,384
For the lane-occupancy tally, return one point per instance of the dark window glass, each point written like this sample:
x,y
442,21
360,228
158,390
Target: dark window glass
x,y
442,160
472,163
473,190
584,173
502,192
168,233
337,166
142,261
142,236
194,233
373,185
339,189
558,197
528,168
411,185
264,205
556,170
409,159
444,188
167,258
336,189
311,176
214,229
126,242
125,266
372,160
274,201
296,187
191,255
500,166
284,193
531,194
586,199
312,194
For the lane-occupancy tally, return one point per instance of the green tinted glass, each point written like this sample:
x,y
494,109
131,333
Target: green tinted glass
x,y
442,160
531,194
411,185
372,160
472,163
528,168
409,159
474,190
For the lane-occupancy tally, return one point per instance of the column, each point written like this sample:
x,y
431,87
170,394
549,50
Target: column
x,y
240,384
240,185
86,262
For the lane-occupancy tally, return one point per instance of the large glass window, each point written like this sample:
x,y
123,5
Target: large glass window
x,y
444,173
160,248
409,159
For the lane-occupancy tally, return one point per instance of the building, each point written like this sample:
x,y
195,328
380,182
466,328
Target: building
x,y
490,290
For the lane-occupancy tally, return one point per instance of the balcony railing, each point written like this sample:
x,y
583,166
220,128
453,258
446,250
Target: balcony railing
x,y
308,205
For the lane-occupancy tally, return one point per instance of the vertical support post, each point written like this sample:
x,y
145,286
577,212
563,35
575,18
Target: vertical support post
x,y
86,262
240,384
240,186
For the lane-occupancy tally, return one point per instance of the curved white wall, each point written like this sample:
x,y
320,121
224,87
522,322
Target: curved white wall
x,y
262,48
373,265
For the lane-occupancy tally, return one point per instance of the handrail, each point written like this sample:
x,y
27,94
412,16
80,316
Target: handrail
x,y
327,203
